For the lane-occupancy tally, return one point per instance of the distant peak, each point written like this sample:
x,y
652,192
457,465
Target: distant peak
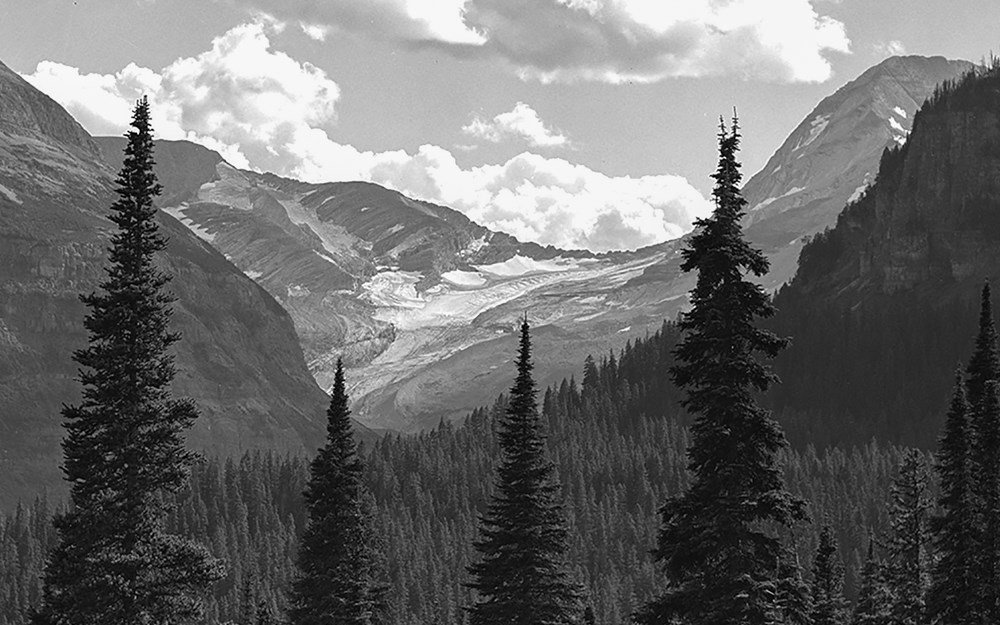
x,y
26,111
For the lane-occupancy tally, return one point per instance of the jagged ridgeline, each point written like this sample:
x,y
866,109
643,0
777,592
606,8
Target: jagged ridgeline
x,y
619,445
882,302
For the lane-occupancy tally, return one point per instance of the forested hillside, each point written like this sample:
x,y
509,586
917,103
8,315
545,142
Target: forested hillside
x,y
881,303
619,442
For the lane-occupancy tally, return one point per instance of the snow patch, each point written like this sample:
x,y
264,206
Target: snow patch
x,y
474,246
464,278
229,190
10,195
178,213
857,193
327,258
899,111
771,200
297,290
816,126
253,275
522,265
896,125
625,329
394,289
763,204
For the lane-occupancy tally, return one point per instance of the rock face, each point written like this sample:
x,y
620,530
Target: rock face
x,y
886,303
239,357
931,222
832,156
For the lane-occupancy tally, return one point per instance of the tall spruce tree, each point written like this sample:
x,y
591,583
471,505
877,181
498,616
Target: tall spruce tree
x,y
907,572
986,485
984,426
718,541
338,576
523,576
872,605
124,447
827,591
985,362
953,597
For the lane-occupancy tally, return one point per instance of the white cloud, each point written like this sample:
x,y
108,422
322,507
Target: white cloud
x,y
317,32
894,47
602,40
522,122
551,201
263,110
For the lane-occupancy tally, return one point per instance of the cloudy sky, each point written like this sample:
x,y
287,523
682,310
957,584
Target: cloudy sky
x,y
580,123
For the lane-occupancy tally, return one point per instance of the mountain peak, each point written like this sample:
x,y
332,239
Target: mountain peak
x,y
26,111
833,154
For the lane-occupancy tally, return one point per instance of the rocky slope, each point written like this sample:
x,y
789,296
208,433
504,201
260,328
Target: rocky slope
x,y
239,357
422,302
930,220
831,156
419,300
885,303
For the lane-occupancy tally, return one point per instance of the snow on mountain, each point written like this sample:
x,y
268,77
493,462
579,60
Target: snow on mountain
x,y
422,303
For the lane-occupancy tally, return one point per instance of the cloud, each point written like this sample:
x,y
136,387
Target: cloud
x,y
602,40
522,122
317,32
263,110
894,47
551,201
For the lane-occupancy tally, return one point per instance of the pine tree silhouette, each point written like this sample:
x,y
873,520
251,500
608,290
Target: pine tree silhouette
x,y
984,422
124,447
721,562
522,576
338,576
953,595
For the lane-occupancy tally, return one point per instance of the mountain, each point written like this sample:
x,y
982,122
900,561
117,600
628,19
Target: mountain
x,y
831,156
422,302
239,357
885,303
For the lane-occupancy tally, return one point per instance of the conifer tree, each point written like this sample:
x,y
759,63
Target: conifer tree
x,y
984,425
829,606
793,603
338,577
953,594
716,541
985,362
124,447
907,570
872,605
522,576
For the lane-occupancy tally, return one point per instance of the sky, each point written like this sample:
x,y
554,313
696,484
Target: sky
x,y
576,123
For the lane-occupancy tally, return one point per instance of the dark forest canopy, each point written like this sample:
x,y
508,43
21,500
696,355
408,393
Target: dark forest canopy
x,y
619,446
